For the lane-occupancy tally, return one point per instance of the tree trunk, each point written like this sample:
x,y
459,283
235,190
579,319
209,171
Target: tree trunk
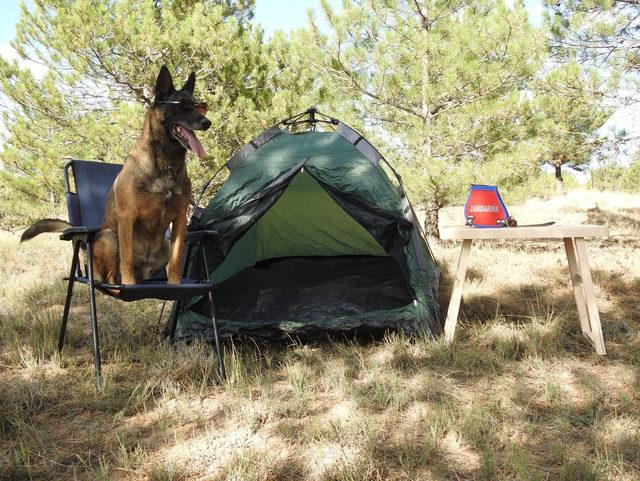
x,y
431,220
559,179
426,111
433,207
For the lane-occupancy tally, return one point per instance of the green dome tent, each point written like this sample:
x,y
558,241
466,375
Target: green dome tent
x,y
313,238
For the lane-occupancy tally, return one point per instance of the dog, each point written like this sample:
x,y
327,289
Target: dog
x,y
151,192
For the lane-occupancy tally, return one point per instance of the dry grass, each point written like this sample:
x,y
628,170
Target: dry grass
x,y
520,395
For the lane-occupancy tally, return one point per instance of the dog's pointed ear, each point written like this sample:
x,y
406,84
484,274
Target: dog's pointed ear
x,y
164,83
190,84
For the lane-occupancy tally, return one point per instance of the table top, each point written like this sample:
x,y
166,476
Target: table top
x,y
555,231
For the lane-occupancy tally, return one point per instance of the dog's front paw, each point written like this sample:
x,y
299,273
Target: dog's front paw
x,y
173,279
128,280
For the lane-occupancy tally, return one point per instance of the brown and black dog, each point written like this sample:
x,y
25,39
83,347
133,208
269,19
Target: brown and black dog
x,y
151,192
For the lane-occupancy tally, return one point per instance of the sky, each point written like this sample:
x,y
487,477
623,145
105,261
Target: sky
x,y
286,14
8,20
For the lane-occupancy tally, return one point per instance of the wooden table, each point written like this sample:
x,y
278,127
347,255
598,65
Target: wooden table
x,y
574,245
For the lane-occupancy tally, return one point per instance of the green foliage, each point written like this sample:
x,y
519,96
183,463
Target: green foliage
x,y
515,172
453,92
447,82
617,177
103,57
569,110
596,32
18,209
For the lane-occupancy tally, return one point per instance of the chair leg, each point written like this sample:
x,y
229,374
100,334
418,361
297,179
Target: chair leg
x,y
216,337
94,319
170,331
67,302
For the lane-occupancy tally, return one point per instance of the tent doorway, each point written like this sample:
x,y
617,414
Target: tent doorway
x,y
307,260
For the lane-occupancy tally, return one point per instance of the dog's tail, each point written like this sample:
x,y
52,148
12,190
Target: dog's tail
x,y
42,226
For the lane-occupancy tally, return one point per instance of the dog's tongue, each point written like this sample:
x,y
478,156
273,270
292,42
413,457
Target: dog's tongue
x,y
194,143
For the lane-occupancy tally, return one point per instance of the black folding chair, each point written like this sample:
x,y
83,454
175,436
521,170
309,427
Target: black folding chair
x,y
92,181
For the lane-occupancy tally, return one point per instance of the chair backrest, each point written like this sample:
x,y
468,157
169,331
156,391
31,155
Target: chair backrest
x,y
92,182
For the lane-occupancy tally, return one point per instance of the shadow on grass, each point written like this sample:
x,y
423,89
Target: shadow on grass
x,y
54,425
613,219
534,322
619,308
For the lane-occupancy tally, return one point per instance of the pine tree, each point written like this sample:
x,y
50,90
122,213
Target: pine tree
x,y
601,33
102,57
444,82
570,110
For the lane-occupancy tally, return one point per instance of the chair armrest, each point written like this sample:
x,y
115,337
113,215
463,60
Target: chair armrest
x,y
80,233
197,236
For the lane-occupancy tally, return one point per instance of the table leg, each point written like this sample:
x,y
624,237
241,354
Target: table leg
x,y
590,295
578,287
456,293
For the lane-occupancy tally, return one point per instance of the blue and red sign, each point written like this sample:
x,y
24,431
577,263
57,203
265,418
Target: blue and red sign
x,y
484,207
